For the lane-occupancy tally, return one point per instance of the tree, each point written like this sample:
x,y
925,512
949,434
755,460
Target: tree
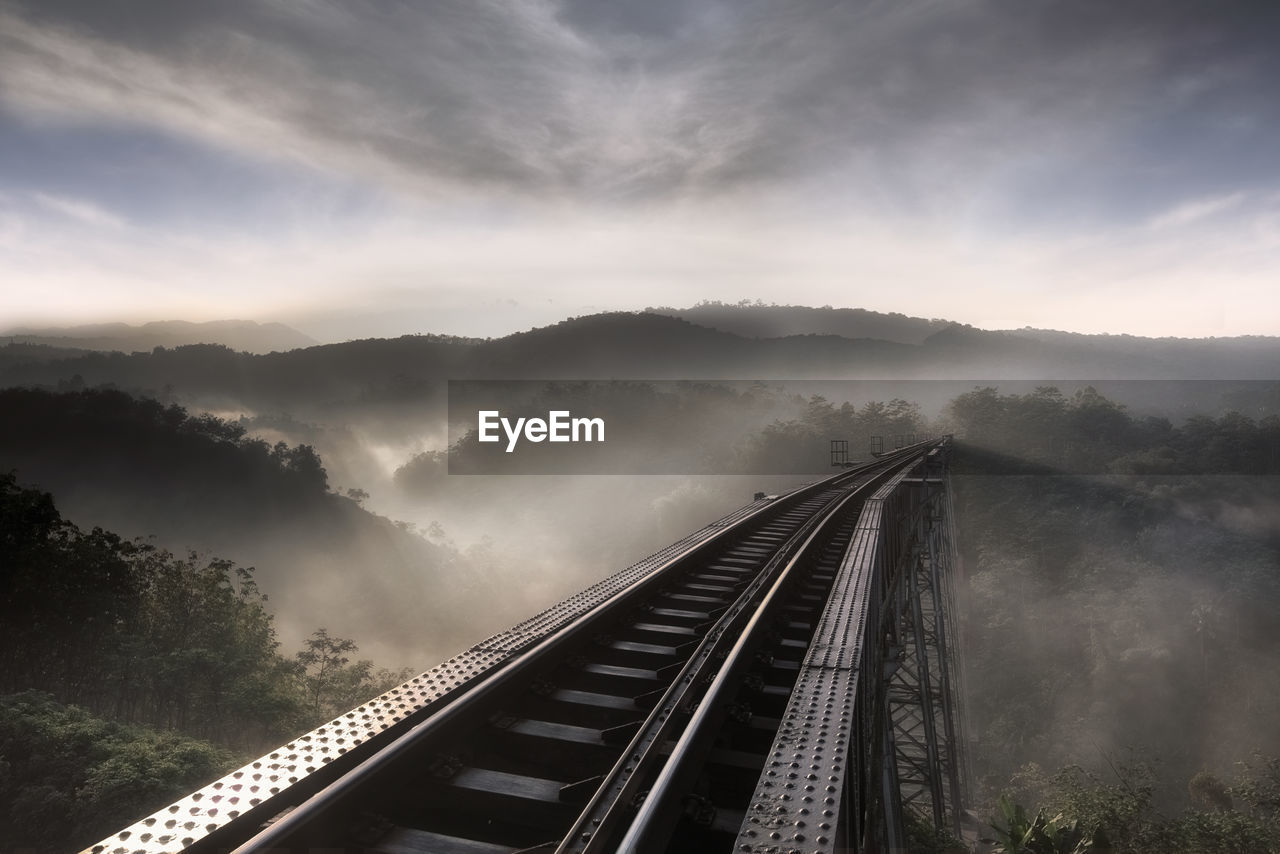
x,y
979,414
69,778
324,672
1021,834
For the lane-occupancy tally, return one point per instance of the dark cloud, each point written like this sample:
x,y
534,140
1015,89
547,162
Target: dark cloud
x,y
663,19
148,24
904,103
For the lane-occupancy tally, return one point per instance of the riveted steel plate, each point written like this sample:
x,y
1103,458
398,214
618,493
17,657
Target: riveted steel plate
x,y
796,805
844,617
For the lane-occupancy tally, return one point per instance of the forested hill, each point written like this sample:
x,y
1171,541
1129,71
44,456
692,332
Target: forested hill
x,y
171,664
238,334
141,468
626,345
778,321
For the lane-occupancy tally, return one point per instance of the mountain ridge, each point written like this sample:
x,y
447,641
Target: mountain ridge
x,y
245,335
622,345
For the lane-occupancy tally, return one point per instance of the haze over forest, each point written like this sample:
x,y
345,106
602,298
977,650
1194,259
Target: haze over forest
x,y
375,412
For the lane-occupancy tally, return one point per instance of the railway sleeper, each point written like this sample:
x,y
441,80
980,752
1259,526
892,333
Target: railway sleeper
x,y
408,840
583,708
687,599
529,746
677,620
478,794
608,679
735,580
720,591
640,653
730,562
683,616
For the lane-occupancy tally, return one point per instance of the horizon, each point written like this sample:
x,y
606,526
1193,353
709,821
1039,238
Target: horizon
x,y
88,329
470,169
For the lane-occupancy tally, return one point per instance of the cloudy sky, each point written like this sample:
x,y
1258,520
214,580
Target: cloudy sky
x,y
376,168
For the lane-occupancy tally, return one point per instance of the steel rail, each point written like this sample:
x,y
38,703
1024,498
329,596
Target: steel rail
x,y
606,809
652,823
349,785
651,827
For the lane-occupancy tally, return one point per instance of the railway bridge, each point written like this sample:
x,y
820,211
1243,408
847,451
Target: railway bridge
x,y
783,680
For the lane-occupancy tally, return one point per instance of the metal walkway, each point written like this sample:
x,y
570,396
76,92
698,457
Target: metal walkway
x,y
782,680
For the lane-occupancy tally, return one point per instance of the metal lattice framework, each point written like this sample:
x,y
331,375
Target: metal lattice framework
x,y
921,671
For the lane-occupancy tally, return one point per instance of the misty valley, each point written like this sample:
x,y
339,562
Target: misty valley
x,y
207,552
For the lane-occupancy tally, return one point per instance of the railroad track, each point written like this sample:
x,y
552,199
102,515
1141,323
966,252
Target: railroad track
x,y
644,724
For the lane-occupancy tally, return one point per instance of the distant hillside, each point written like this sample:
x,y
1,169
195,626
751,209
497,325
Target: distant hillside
x,y
375,373
779,321
656,345
1138,345
405,377
34,354
242,335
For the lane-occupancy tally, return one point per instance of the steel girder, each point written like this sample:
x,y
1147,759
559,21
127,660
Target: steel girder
x,y
889,701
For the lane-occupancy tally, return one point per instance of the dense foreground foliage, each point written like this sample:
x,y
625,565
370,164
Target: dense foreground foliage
x,y
68,778
132,633
1084,811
